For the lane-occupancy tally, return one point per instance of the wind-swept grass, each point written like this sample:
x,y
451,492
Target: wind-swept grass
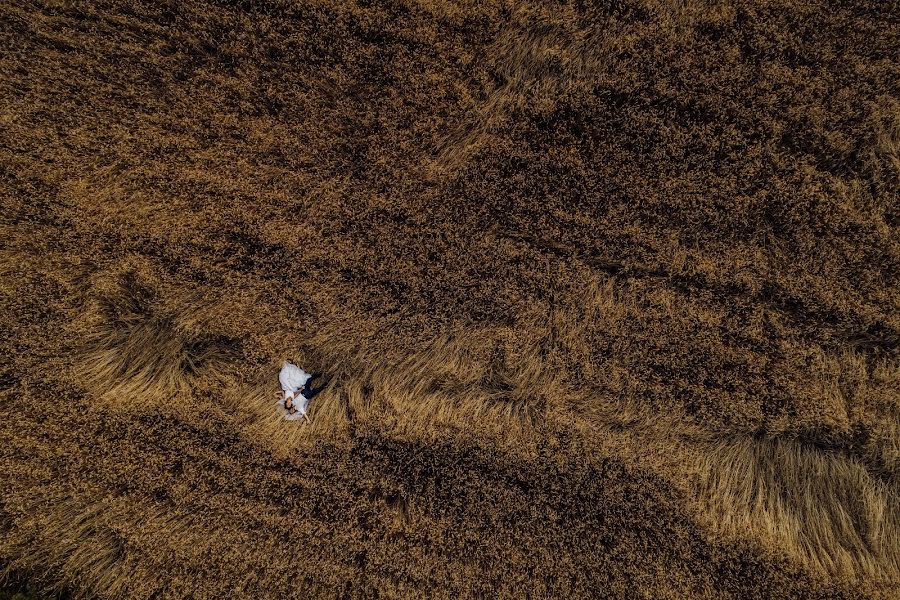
x,y
605,292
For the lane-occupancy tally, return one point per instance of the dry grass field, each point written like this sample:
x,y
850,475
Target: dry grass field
x,y
608,292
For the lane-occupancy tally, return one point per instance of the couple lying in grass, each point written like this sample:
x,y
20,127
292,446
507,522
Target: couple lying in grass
x,y
297,390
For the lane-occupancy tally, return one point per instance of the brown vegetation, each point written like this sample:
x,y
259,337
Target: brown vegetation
x,y
607,290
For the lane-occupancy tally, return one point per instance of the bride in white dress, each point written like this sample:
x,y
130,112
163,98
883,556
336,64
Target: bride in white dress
x,y
293,380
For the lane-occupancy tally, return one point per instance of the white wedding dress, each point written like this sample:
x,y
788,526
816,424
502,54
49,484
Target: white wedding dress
x,y
293,379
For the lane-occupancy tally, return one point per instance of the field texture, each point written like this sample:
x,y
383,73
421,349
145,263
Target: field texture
x,y
608,292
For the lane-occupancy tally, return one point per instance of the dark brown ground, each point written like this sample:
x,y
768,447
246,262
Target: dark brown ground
x,y
192,192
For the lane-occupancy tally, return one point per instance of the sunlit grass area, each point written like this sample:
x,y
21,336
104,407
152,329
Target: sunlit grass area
x,y
605,292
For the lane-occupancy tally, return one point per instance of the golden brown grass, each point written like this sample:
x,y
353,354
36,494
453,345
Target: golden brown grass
x,y
828,512
606,291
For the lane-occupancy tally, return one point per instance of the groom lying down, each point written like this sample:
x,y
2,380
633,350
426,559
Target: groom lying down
x,y
296,391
